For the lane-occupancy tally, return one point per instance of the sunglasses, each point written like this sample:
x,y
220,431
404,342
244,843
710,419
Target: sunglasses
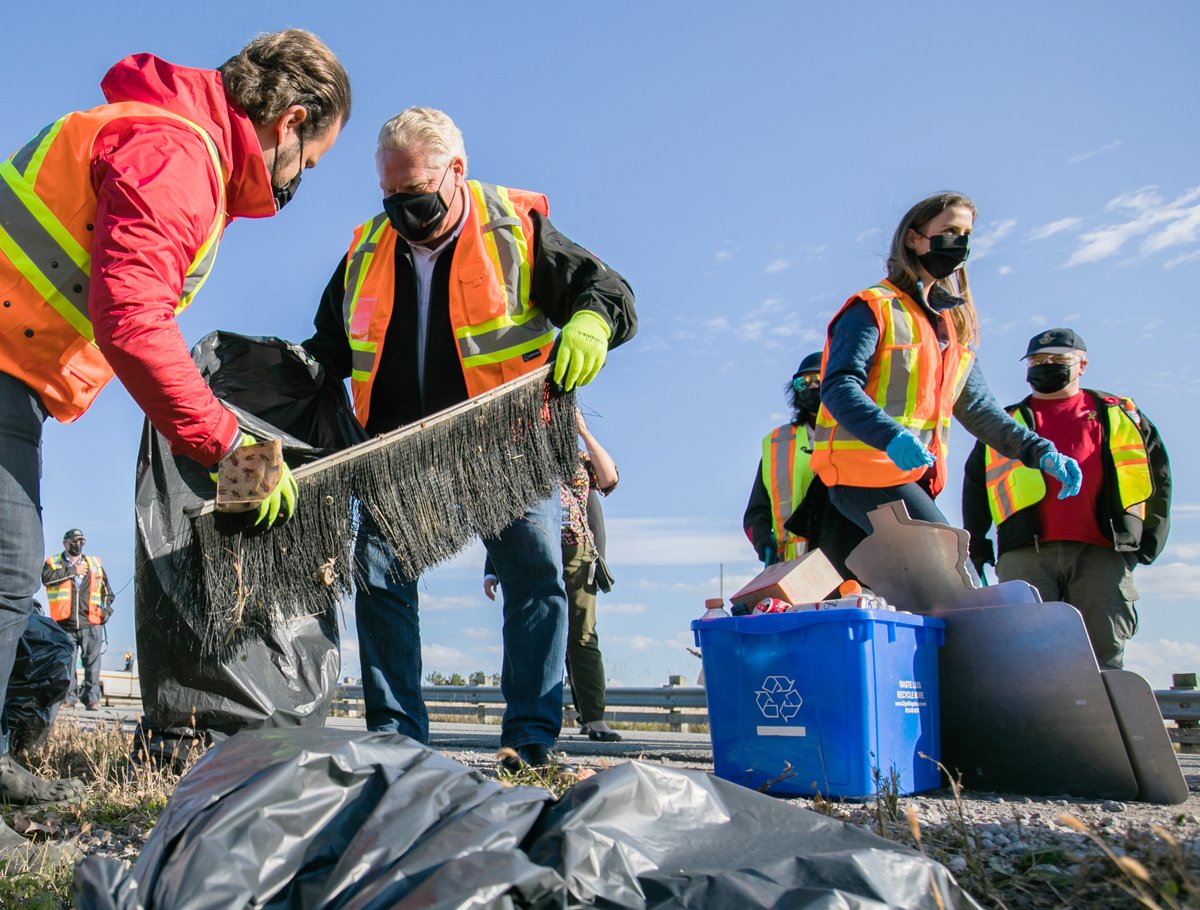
x,y
800,383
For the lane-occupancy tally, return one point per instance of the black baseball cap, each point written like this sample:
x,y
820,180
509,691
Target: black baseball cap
x,y
810,364
1055,341
73,533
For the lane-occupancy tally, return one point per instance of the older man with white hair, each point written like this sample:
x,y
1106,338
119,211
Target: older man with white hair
x,y
1081,550
454,288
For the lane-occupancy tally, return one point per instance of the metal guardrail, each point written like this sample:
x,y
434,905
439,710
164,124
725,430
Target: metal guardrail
x,y
679,707
676,707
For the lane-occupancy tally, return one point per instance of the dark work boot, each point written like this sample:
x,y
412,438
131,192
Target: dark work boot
x,y
20,787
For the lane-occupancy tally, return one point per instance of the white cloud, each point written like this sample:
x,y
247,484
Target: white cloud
x,y
752,329
620,609
1157,660
1181,259
719,324
1037,322
1004,269
1054,227
777,265
435,656
983,242
435,603
1184,508
1170,580
1146,214
479,634
867,234
725,253
771,303
637,642
673,542
1084,156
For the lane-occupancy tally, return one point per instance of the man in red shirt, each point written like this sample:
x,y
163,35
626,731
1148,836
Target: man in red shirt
x,y
1080,550
111,220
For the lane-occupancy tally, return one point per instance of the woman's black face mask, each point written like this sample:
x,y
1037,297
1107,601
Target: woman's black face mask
x,y
417,215
946,253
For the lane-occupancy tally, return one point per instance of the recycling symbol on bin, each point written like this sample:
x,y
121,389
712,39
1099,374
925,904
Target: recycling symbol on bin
x,y
778,698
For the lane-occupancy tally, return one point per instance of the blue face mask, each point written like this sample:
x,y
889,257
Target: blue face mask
x,y
417,215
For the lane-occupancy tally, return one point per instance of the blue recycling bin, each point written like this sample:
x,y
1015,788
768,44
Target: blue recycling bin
x,y
818,702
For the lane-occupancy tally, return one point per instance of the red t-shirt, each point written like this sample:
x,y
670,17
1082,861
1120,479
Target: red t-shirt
x,y
1073,425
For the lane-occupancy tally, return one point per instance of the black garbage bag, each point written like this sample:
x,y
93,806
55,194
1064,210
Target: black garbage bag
x,y
326,818
40,680
282,675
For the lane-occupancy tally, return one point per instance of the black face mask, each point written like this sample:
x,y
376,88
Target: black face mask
x,y
417,215
945,254
1048,377
74,548
809,400
283,194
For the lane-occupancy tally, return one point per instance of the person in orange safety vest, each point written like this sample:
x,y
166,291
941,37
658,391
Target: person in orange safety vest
x,y
80,599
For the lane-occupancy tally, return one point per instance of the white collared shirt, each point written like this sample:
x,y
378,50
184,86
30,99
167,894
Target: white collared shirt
x,y
424,260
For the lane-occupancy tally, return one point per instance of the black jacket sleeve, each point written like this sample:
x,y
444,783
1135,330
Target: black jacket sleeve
x,y
1158,510
758,521
977,517
329,344
52,576
567,279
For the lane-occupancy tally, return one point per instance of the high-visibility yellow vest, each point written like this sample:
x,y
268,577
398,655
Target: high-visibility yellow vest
x,y
501,333
786,475
1011,486
47,222
911,379
59,596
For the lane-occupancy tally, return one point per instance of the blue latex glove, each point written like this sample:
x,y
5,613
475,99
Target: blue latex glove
x,y
1065,470
768,556
907,452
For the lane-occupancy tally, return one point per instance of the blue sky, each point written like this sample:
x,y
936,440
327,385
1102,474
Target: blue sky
x,y
744,170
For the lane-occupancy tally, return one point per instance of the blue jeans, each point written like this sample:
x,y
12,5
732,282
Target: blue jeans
x,y
88,641
856,502
528,560
21,419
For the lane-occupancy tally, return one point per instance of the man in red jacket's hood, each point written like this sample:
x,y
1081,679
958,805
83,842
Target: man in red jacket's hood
x,y
229,143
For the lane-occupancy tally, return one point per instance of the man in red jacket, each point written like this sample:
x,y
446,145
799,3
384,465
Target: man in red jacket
x,y
111,218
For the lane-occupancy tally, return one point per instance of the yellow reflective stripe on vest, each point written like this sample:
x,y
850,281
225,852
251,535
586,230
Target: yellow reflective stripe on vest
x,y
362,352
786,476
46,254
1128,450
522,328
1011,486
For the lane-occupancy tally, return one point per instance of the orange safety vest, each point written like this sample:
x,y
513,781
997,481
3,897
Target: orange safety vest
x,y
47,220
786,475
501,333
60,596
911,379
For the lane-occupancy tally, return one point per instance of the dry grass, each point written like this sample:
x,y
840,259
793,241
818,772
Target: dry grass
x,y
122,804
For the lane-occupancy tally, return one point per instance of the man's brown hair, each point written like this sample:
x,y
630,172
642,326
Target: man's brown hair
x,y
277,70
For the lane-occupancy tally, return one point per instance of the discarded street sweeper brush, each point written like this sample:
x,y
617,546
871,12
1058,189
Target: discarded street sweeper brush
x,y
431,487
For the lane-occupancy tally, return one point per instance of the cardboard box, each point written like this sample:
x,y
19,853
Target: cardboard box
x,y
806,579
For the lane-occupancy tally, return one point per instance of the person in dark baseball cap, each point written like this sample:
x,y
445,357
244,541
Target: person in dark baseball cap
x,y
1082,549
1055,341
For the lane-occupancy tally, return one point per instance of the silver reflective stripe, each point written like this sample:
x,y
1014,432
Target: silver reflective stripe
x,y
355,266
362,361
506,247
42,250
508,336
783,469
196,277
902,361
24,157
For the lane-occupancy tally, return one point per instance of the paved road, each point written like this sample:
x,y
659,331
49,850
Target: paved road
x,y
477,744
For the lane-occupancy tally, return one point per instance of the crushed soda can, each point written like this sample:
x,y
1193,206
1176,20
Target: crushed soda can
x,y
772,605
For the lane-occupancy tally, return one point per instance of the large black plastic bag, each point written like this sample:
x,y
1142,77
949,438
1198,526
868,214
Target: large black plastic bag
x,y
40,679
326,818
280,676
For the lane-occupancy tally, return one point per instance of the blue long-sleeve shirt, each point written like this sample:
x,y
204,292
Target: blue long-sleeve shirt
x,y
852,342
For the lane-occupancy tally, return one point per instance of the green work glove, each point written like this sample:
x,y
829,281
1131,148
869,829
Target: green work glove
x,y
582,347
284,493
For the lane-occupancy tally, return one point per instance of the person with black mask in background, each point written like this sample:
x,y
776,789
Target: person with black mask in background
x,y
788,512
1080,550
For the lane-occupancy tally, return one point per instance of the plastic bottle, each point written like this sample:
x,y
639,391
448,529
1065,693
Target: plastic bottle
x,y
714,608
